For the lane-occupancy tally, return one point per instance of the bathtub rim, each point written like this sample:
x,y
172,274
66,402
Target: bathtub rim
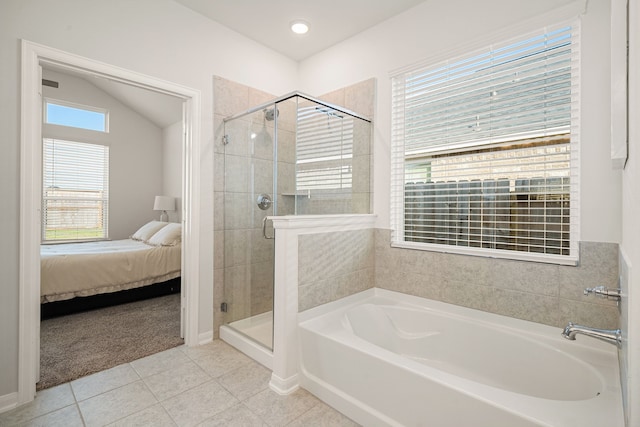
x,y
510,323
361,411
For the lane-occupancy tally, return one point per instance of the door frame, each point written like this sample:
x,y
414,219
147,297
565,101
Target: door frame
x,y
33,56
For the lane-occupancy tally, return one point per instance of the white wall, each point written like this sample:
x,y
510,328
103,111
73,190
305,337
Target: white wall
x,y
172,167
441,28
135,151
159,38
610,205
630,245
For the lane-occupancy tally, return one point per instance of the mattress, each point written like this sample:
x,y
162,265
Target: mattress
x,y
84,269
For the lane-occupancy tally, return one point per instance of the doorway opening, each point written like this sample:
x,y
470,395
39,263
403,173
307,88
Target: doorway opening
x,y
34,57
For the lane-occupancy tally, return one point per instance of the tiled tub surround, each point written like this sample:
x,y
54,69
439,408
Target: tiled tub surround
x,y
334,265
543,293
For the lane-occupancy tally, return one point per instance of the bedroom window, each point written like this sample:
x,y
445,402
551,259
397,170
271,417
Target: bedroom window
x,y
485,151
75,202
73,115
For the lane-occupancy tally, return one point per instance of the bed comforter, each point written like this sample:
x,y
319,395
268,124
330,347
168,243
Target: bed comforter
x,y
84,269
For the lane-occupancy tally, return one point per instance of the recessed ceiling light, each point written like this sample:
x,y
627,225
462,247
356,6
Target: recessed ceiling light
x,y
299,27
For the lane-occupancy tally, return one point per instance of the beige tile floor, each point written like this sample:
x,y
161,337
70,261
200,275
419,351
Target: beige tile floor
x,y
209,385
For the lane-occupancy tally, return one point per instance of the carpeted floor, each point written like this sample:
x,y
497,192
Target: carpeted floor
x,y
80,344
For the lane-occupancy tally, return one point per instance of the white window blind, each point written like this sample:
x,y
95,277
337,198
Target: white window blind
x,y
484,153
75,191
324,149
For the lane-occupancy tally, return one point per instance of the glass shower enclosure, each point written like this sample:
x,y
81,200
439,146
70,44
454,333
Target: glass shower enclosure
x,y
293,156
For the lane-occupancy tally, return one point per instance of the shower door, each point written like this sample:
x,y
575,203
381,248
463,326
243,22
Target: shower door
x,y
249,197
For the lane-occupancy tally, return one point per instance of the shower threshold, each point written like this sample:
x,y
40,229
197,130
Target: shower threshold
x,y
253,336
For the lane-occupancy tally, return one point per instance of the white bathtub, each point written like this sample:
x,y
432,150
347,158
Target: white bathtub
x,y
385,358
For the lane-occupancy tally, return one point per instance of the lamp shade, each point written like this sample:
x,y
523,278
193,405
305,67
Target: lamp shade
x,y
164,203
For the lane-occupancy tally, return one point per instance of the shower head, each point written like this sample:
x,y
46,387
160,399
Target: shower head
x,y
329,112
271,113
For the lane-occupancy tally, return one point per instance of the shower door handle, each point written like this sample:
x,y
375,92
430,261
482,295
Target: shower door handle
x,y
264,229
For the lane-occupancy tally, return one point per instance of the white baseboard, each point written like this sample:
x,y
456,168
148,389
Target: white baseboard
x,y
249,347
284,386
8,402
205,337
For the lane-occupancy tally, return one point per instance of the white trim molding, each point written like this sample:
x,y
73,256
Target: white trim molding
x,y
619,83
284,378
8,402
33,57
257,352
205,337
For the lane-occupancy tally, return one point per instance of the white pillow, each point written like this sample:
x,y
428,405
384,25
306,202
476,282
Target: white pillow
x,y
145,232
169,235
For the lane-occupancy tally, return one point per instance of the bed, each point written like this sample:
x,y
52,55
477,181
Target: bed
x,y
152,255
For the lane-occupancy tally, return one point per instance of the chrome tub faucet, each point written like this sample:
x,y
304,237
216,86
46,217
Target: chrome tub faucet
x,y
604,292
612,336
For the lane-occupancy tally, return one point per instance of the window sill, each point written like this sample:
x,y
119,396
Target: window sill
x,y
570,260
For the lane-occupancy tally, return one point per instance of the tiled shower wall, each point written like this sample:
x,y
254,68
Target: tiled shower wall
x,y
253,255
239,234
543,293
359,98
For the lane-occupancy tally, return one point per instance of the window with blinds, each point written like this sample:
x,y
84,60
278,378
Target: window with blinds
x,y
75,202
324,149
485,151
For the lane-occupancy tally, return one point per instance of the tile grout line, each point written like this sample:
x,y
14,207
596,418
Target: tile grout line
x,y
77,404
305,412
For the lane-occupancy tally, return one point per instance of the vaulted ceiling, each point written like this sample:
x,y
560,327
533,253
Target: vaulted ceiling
x,y
268,21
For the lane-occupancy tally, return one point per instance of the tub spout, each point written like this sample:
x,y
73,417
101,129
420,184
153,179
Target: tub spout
x,y
612,336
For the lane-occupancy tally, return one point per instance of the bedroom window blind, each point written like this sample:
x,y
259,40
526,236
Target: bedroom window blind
x,y
75,202
485,151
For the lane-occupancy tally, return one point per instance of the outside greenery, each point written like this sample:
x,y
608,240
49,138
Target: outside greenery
x,y
74,234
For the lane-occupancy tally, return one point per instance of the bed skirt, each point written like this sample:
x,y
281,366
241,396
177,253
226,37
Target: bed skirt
x,y
78,304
